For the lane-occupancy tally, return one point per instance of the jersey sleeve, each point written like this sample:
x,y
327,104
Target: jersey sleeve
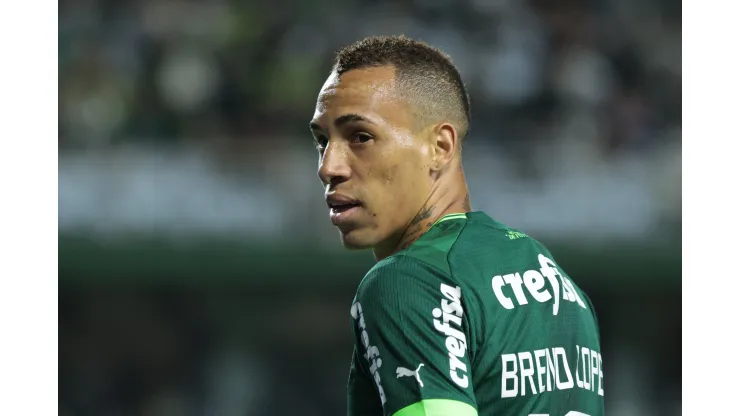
x,y
362,398
412,339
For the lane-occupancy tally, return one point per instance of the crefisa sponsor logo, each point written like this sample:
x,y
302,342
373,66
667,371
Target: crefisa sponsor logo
x,y
372,354
536,284
448,321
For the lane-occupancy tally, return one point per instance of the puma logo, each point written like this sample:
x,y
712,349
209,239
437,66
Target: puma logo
x,y
405,372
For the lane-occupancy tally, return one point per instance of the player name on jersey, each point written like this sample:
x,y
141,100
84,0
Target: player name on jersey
x,y
539,371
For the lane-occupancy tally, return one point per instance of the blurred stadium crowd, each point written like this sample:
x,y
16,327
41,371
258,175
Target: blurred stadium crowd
x,y
555,85
603,73
571,99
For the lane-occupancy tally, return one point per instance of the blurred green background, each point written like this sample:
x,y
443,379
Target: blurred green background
x,y
198,271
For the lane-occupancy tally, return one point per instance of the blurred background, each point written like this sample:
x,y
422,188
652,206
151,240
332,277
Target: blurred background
x,y
198,271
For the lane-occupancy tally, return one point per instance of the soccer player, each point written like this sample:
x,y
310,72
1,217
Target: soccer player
x,y
461,315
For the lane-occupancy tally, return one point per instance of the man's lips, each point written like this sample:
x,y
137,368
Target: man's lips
x,y
341,208
340,202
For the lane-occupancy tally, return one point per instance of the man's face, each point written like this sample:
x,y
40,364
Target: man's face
x,y
375,169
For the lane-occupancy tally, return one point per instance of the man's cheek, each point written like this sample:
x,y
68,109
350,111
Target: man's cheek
x,y
390,175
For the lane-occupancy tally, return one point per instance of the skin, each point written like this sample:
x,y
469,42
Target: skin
x,y
371,149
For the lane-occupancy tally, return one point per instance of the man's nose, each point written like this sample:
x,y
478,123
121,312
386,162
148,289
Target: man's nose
x,y
333,165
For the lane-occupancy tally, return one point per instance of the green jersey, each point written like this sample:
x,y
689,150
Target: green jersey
x,y
474,318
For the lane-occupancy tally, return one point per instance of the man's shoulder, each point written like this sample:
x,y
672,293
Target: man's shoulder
x,y
478,241
453,250
484,231
401,272
495,243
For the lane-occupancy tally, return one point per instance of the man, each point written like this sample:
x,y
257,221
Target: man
x,y
461,315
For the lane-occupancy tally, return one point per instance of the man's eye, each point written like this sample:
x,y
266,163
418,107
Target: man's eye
x,y
361,138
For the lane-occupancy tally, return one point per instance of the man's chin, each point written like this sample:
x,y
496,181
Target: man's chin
x,y
353,240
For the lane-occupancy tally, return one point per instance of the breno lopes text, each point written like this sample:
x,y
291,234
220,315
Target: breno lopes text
x,y
539,371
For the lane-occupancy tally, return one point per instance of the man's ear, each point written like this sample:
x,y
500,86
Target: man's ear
x,y
444,145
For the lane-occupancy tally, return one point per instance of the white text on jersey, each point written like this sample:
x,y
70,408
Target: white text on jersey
x,y
449,322
372,354
548,369
534,281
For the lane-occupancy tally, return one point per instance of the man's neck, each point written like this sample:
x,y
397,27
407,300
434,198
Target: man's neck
x,y
436,207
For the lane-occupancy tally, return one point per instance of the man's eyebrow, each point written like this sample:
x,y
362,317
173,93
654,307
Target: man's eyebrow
x,y
342,120
349,118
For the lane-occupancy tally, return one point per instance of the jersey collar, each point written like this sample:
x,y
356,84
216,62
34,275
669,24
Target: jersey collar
x,y
448,217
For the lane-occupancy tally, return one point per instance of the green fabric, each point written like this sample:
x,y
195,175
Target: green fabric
x,y
438,407
477,313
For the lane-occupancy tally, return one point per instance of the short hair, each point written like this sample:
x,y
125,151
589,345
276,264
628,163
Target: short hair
x,y
431,81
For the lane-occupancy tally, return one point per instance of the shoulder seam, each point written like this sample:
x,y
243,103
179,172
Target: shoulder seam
x,y
463,289
447,258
